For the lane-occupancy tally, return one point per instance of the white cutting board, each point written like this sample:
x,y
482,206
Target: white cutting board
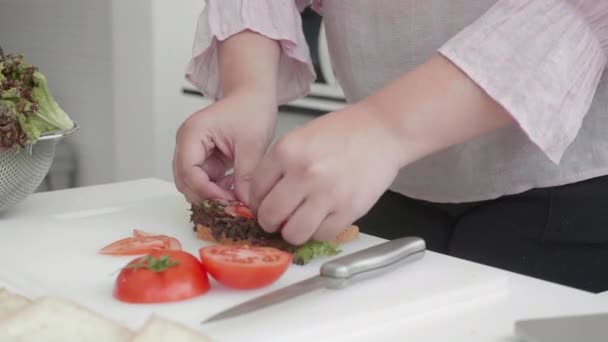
x,y
58,256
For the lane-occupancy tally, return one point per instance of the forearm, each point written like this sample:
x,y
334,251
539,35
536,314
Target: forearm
x,y
249,61
433,107
509,58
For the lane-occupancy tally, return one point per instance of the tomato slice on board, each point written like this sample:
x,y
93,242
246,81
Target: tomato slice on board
x,y
141,243
161,276
171,242
174,243
140,233
245,267
134,246
239,209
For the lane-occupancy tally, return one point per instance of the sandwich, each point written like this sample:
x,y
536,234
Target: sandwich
x,y
231,223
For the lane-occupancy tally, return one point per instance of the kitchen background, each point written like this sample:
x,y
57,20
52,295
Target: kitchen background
x,y
117,68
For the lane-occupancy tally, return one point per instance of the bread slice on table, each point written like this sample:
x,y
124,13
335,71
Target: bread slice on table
x,y
204,233
52,319
158,329
11,303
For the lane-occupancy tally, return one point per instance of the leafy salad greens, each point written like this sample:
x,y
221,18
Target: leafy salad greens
x,y
302,255
27,108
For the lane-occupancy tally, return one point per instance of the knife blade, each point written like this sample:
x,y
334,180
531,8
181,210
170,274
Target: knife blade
x,y
337,274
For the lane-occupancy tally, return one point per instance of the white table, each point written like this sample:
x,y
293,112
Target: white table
x,y
489,319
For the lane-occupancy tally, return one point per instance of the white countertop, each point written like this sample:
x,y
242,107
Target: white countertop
x,y
489,318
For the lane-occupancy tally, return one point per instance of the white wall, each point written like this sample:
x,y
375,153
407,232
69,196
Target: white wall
x,y
174,24
152,43
70,40
133,74
117,67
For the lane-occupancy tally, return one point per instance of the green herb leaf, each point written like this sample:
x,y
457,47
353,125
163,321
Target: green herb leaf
x,y
302,255
153,264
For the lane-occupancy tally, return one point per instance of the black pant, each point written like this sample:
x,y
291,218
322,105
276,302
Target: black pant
x,y
559,234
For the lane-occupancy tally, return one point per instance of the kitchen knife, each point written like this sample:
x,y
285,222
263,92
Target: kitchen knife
x,y
338,273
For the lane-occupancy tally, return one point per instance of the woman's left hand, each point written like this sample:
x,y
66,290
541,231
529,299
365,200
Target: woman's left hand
x,y
320,178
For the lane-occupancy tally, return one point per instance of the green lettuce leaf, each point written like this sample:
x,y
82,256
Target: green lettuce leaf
x,y
302,255
26,98
49,116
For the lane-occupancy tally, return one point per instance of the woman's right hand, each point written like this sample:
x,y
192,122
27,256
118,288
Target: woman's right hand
x,y
232,133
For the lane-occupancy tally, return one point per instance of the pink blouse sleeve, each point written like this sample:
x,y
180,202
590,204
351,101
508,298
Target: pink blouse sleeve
x,y
278,19
542,60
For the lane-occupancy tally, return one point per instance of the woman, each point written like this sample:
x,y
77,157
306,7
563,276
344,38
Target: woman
x,y
481,126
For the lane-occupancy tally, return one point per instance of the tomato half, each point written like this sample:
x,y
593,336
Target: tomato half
x,y
239,209
161,276
244,267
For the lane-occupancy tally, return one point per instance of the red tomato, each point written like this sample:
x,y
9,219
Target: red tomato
x,y
239,209
161,276
141,243
244,267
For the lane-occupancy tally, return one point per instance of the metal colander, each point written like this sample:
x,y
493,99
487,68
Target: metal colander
x,y
22,171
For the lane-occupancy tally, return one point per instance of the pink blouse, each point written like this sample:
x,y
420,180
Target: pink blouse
x,y
542,60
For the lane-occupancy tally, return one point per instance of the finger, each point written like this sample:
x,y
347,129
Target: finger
x,y
265,176
331,227
303,222
215,167
177,179
247,160
181,187
190,156
191,197
198,182
226,183
279,204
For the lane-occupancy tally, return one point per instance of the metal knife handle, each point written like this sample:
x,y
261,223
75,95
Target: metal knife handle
x,y
374,258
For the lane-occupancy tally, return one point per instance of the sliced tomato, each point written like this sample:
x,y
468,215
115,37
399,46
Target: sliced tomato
x,y
170,242
140,233
239,209
244,267
161,276
134,246
174,244
141,243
